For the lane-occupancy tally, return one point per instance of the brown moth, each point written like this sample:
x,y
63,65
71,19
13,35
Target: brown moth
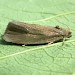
x,y
24,33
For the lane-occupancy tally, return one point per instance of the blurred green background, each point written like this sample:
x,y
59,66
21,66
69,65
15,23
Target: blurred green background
x,y
56,59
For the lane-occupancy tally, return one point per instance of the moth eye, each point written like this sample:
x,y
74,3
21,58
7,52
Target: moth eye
x,y
69,34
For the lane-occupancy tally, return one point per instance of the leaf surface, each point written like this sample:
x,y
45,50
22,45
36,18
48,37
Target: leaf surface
x,y
55,59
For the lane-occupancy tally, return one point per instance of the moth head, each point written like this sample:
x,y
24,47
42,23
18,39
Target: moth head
x,y
64,32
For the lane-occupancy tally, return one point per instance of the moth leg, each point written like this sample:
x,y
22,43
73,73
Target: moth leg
x,y
50,43
63,41
23,45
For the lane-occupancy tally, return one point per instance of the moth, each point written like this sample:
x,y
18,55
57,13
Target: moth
x,y
29,34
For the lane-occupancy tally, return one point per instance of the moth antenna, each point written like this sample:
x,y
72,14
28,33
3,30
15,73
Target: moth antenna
x,y
68,27
64,24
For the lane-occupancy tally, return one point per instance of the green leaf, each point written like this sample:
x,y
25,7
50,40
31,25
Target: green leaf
x,y
55,59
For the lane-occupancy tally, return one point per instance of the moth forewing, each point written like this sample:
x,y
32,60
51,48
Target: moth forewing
x,y
24,33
